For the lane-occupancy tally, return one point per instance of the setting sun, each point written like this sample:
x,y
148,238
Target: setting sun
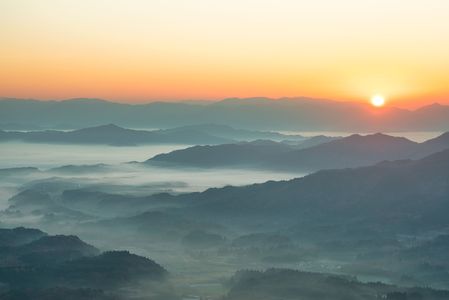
x,y
378,101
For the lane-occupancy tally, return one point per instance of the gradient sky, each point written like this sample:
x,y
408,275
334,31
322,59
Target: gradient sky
x,y
142,50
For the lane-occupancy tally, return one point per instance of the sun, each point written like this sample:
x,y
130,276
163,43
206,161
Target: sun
x,y
378,101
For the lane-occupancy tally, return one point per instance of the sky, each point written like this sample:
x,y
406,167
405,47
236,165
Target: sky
x,y
146,50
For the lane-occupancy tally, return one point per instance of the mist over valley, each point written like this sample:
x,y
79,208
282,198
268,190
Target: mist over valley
x,y
354,208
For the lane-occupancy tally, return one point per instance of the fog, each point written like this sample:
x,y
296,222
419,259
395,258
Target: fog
x,y
106,196
18,154
117,176
46,157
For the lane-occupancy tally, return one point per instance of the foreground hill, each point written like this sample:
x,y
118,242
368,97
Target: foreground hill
x,y
284,284
353,151
115,135
57,293
256,113
406,195
19,236
67,266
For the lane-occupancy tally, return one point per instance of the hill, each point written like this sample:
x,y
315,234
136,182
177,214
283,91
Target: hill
x,y
352,151
407,195
247,154
19,236
290,284
67,266
114,135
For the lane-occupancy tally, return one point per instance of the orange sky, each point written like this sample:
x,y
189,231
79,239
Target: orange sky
x,y
142,50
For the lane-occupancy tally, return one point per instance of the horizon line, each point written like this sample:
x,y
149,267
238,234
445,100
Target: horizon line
x,y
213,101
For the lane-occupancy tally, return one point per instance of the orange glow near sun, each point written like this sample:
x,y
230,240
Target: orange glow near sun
x,y
178,50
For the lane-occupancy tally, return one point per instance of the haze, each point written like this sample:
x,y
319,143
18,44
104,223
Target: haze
x,y
224,150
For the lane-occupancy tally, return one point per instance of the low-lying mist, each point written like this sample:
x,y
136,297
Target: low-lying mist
x,y
19,154
204,225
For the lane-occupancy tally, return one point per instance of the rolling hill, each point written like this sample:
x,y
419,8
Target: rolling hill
x,y
352,151
406,195
114,135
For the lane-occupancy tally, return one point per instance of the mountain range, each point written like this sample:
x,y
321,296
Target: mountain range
x,y
303,114
114,135
391,196
352,151
408,195
389,218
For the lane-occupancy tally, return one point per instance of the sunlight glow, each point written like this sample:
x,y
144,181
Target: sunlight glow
x,y
378,101
178,50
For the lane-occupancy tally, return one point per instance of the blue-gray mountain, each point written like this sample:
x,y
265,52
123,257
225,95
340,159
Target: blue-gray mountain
x,y
256,113
115,135
389,219
34,265
406,195
353,151
285,284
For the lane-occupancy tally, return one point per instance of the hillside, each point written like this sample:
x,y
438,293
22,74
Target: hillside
x,y
352,151
286,284
114,135
412,193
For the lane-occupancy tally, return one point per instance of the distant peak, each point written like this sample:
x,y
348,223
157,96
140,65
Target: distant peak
x,y
110,125
107,126
253,100
378,136
434,106
371,135
102,129
354,136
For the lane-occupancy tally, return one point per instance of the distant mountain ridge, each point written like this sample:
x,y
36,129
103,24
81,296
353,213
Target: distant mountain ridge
x,y
114,135
352,151
227,155
256,113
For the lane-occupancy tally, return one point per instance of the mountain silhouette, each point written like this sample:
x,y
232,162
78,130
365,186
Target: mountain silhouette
x,y
115,135
413,193
352,151
256,113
